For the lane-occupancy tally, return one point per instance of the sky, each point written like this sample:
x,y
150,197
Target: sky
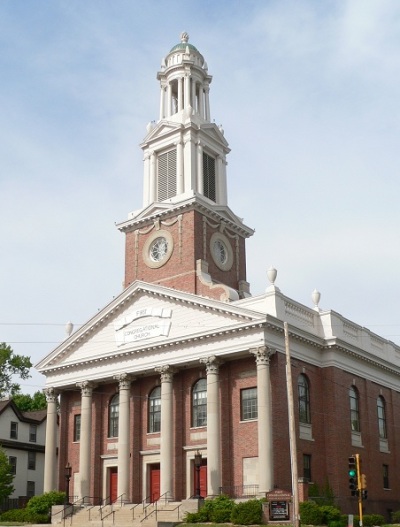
x,y
307,92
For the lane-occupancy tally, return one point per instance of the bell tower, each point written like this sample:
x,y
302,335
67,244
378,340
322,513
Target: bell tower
x,y
185,236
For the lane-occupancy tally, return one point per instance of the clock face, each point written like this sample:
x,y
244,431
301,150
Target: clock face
x,y
158,249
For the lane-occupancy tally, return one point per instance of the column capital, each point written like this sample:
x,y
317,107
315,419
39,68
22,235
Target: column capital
x,y
262,354
166,372
212,364
51,394
124,380
86,388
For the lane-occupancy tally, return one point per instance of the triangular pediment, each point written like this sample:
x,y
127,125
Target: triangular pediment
x,y
161,129
141,328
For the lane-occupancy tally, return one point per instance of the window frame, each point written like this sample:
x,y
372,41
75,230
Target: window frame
x,y
210,177
13,430
304,403
385,474
30,489
113,416
32,433
248,404
307,458
31,460
199,403
382,423
77,428
154,411
12,461
354,399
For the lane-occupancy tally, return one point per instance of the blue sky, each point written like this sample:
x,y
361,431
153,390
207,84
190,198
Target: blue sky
x,y
308,95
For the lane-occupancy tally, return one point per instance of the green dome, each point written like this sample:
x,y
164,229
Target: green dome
x,y
183,46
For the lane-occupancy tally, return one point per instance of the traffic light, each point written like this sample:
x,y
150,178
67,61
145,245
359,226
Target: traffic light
x,y
353,477
364,491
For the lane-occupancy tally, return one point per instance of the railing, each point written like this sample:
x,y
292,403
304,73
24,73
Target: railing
x,y
166,497
112,511
240,491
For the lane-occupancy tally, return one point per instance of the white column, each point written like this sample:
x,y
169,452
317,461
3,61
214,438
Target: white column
x,y
166,444
123,436
169,100
194,106
264,407
180,184
213,426
180,94
199,171
219,189
86,437
146,179
207,103
201,101
162,102
152,183
50,453
187,90
223,198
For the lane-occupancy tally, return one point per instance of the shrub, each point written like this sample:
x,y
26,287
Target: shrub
x,y
396,517
42,504
310,513
338,523
23,515
329,514
247,513
221,509
369,520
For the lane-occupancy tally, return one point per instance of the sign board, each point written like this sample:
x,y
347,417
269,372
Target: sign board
x,y
278,510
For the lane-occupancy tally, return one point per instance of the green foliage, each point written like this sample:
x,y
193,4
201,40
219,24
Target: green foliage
x,y
369,520
338,523
310,513
23,515
247,513
42,504
396,517
216,510
11,364
323,495
6,476
30,403
330,514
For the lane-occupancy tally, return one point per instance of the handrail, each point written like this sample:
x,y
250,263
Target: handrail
x,y
142,503
164,496
112,511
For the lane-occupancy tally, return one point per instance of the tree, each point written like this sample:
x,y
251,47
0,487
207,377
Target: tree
x,y
10,365
6,476
29,403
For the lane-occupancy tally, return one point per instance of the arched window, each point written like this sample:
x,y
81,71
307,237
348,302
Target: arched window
x,y
354,410
113,414
381,417
199,403
304,399
154,423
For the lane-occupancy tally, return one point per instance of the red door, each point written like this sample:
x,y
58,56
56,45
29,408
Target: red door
x,y
113,484
203,479
154,482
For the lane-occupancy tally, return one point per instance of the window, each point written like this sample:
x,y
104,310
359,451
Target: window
x,y
354,410
303,390
385,476
248,404
30,489
154,424
13,463
199,403
31,460
166,187
14,430
307,467
209,177
32,433
381,418
113,413
77,427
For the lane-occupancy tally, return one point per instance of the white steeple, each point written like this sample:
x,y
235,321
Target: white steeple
x,y
184,153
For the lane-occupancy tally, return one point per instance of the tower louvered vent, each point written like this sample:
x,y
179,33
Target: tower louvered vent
x,y
166,175
209,176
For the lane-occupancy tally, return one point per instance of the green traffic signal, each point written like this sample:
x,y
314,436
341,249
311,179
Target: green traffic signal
x,y
352,473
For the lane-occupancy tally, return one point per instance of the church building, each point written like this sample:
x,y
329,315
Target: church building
x,y
179,385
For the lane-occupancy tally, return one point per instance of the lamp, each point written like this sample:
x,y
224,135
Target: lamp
x,y
67,475
197,463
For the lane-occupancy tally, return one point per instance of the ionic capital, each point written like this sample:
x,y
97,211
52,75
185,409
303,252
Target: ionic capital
x,y
262,355
86,388
166,372
51,394
212,364
124,380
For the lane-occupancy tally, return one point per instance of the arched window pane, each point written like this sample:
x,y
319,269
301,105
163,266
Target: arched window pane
x,y
381,418
304,399
154,424
354,410
199,403
113,415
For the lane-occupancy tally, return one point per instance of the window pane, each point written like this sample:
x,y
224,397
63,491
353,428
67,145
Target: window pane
x,y
307,467
13,462
31,460
382,418
14,430
113,416
304,399
154,424
209,177
77,427
354,410
199,403
32,433
249,404
385,476
30,488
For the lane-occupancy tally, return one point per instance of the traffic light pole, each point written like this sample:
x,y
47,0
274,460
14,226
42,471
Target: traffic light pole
x,y
359,487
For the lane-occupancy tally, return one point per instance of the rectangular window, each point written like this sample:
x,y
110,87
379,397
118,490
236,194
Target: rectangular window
x,y
77,427
166,181
14,430
209,184
248,404
32,433
30,488
13,463
307,467
31,460
386,476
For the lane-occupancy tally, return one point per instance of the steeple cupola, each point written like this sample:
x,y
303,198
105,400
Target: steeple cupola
x,y
186,236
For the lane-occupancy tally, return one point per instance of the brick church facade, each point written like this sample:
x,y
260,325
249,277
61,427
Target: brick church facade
x,y
186,362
